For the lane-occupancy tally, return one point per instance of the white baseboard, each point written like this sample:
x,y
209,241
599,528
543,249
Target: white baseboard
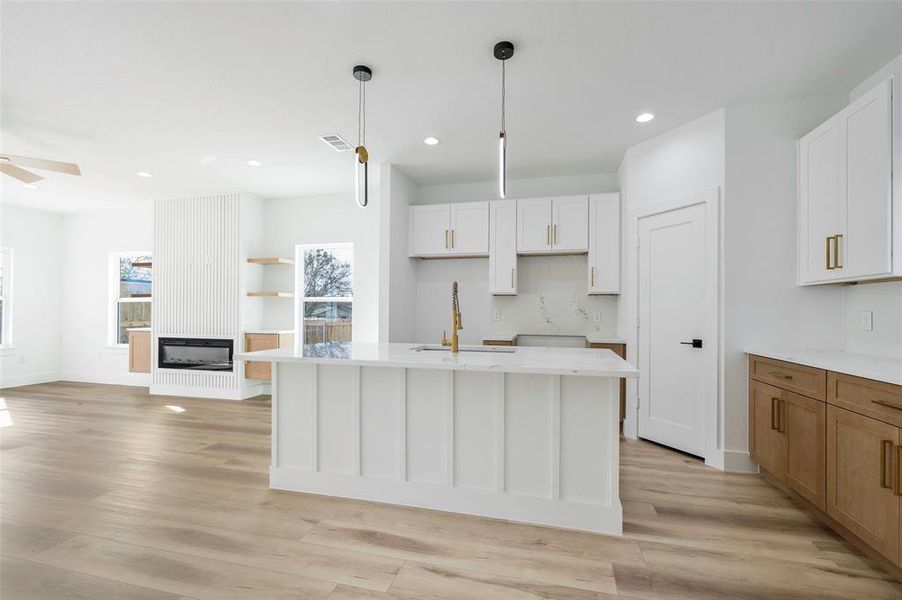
x,y
28,379
197,392
738,461
133,379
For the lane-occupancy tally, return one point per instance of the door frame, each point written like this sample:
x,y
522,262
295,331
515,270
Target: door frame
x,y
713,420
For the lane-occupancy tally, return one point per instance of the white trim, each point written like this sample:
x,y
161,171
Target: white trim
x,y
132,379
300,299
29,379
6,263
115,299
710,197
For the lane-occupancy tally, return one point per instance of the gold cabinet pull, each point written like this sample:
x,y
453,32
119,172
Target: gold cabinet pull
x,y
829,266
446,239
782,416
773,413
555,233
886,482
593,277
897,476
512,279
836,239
452,237
548,234
781,375
887,404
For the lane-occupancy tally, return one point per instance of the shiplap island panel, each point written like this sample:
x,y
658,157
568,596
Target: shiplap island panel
x,y
528,435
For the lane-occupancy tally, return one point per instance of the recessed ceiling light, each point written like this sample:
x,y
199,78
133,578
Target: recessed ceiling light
x,y
143,174
254,163
644,118
431,141
30,186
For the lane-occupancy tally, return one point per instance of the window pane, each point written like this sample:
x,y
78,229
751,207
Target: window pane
x,y
134,281
132,314
327,322
328,273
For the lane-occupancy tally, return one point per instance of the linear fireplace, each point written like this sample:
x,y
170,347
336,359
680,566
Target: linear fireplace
x,y
196,354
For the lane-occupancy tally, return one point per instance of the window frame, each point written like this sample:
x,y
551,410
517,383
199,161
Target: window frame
x,y
300,297
6,298
115,299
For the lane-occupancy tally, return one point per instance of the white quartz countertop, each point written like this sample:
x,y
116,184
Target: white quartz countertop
x,y
528,359
269,331
879,368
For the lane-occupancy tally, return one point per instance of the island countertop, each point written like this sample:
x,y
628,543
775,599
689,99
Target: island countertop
x,y
523,359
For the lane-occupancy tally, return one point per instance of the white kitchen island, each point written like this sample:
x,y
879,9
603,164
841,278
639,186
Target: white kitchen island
x,y
529,435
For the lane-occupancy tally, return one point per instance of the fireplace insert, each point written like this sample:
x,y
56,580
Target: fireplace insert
x,y
196,354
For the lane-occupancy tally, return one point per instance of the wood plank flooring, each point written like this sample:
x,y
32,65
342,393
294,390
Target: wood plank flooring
x,y
107,493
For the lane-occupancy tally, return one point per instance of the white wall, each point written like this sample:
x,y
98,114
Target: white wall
x,y
88,241
683,160
324,219
402,277
763,306
36,240
563,289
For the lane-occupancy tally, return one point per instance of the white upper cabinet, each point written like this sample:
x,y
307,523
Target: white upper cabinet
x,y
845,194
534,225
553,225
604,244
469,225
503,247
569,223
459,229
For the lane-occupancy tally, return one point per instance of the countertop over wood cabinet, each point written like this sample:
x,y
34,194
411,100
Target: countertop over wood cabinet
x,y
832,438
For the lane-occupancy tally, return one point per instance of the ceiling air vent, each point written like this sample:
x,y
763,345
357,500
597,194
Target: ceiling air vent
x,y
336,142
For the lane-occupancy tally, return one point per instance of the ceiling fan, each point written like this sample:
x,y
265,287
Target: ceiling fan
x,y
12,166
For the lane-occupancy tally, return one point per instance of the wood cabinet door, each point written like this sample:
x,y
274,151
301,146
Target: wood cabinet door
x,y
259,341
570,223
604,244
139,351
805,429
429,230
534,225
503,247
766,440
818,203
865,183
469,228
860,473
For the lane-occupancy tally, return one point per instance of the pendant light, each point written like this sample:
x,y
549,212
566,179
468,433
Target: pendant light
x,y
503,51
362,74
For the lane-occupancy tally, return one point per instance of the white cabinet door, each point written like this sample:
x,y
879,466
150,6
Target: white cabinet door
x,y
430,230
819,203
469,228
503,247
570,223
604,244
866,146
533,225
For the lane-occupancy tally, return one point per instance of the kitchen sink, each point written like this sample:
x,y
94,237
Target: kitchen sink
x,y
440,348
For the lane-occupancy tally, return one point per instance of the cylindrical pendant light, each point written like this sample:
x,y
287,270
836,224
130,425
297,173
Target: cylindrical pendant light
x,y
502,51
362,74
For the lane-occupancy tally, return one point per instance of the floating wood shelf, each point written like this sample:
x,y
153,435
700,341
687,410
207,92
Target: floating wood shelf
x,y
271,294
143,265
271,260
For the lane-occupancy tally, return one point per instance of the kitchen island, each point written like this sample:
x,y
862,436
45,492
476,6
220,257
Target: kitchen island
x,y
528,434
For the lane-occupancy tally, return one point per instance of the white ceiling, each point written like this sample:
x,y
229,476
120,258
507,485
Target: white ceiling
x,y
190,91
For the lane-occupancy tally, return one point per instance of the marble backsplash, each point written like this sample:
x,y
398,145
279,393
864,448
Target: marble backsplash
x,y
552,300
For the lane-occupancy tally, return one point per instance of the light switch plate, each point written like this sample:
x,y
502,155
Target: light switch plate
x,y
867,320
496,316
596,317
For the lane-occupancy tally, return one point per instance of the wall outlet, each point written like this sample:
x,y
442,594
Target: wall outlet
x,y
597,316
496,316
867,320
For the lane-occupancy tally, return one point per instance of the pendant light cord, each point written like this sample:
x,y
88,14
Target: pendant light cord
x,y
502,96
361,113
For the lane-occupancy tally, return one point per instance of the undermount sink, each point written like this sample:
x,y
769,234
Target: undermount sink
x,y
440,348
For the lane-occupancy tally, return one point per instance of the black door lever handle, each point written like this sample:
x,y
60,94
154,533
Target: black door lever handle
x,y
695,343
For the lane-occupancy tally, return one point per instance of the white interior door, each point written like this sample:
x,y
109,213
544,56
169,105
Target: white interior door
x,y
673,290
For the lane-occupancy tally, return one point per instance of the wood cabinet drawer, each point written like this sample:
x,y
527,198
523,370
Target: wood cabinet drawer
x,y
800,379
875,399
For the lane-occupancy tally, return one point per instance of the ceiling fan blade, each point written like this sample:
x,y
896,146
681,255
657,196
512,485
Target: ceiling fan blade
x,y
40,163
20,174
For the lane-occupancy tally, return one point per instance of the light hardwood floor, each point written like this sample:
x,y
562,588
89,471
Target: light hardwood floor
x,y
107,493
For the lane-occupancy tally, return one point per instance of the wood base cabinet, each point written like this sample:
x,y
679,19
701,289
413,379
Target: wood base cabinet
x,y
139,351
263,341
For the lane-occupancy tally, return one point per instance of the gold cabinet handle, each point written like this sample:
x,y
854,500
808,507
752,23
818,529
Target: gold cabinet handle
x,y
555,233
897,476
887,404
452,237
836,239
773,413
512,279
827,259
548,234
593,277
446,239
885,482
782,406
780,375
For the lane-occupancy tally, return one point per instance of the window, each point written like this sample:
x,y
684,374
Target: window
x,y
131,285
326,276
6,340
